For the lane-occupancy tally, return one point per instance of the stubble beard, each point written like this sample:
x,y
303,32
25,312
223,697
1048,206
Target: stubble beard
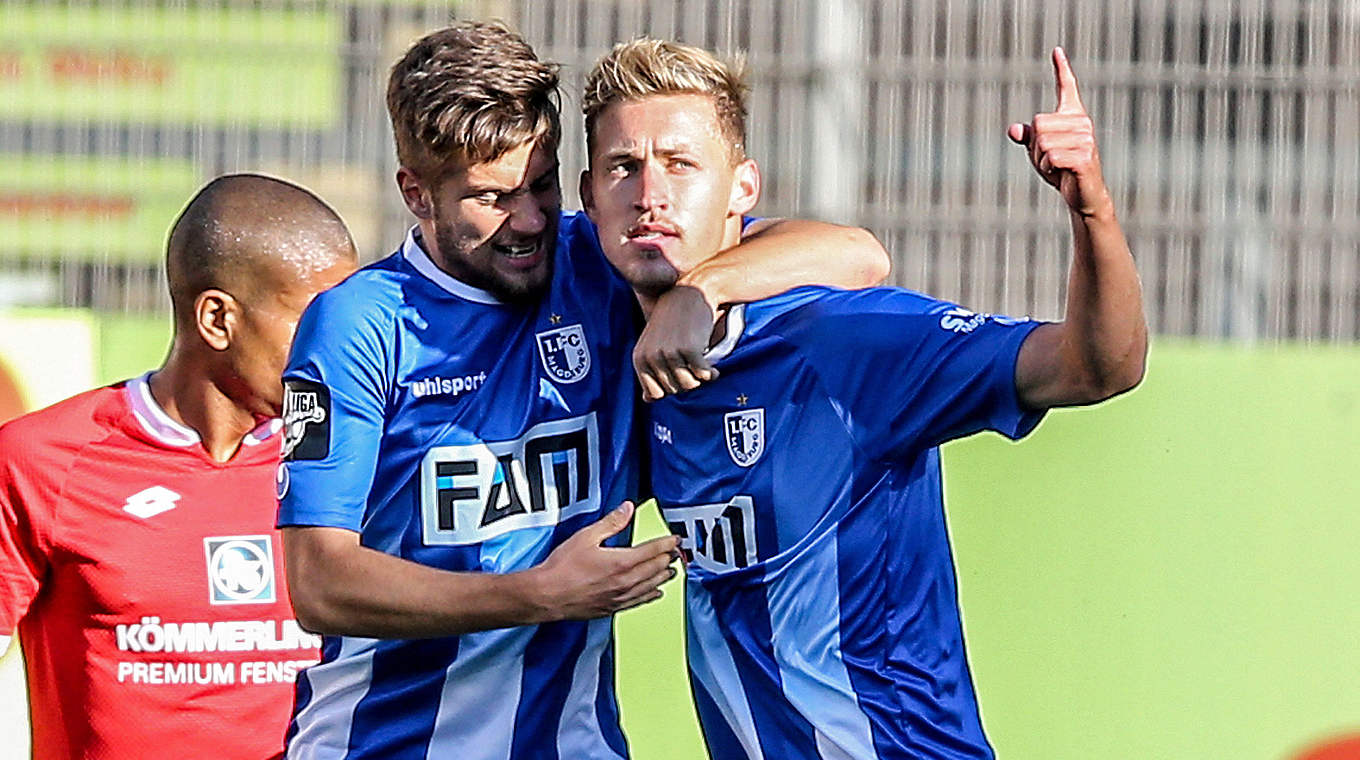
x,y
526,292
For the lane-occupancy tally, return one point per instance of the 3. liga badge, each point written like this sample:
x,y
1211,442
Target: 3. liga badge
x,y
565,355
745,434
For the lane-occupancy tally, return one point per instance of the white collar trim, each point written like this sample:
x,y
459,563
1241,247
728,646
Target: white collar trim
x,y
736,323
414,253
170,431
153,418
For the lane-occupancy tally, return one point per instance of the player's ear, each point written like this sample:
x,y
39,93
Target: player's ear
x,y
216,316
413,192
587,195
745,188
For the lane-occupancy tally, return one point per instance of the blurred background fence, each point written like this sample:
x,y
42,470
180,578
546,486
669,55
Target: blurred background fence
x,y
1230,133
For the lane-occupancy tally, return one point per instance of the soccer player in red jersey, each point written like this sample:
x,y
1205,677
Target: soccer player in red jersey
x,y
138,560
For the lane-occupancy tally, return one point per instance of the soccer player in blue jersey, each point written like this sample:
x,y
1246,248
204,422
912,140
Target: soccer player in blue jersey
x,y
804,482
459,419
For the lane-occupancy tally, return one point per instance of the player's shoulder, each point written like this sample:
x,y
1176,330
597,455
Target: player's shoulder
x,y
64,428
577,240
372,295
820,309
575,228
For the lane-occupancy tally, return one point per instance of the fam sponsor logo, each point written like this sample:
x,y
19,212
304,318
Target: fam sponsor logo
x,y
447,386
744,432
306,420
151,501
565,353
716,537
240,569
474,492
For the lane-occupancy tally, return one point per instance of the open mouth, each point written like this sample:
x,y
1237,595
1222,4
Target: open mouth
x,y
522,251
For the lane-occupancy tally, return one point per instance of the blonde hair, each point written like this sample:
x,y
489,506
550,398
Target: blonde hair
x,y
468,94
647,67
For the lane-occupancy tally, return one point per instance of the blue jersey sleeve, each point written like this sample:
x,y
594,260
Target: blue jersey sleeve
x,y
910,372
335,391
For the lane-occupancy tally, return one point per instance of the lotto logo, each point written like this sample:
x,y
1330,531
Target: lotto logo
x,y
151,502
240,569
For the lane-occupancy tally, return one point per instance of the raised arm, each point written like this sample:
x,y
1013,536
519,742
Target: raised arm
x,y
340,587
774,255
1099,350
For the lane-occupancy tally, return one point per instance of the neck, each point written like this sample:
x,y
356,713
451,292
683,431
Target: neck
x,y
184,389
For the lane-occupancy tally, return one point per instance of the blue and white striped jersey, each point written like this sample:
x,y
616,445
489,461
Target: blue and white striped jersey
x,y
805,484
459,432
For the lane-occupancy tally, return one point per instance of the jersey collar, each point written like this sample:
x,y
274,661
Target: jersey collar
x,y
171,432
734,323
414,252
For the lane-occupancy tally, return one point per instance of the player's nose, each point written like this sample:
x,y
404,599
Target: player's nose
x,y
526,216
653,187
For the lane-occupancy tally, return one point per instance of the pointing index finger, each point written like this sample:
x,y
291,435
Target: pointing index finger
x,y
1069,100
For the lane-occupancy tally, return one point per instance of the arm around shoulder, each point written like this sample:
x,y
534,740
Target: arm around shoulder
x,y
340,587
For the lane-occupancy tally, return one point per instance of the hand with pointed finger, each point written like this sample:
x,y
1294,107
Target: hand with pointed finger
x,y
581,579
669,356
1062,146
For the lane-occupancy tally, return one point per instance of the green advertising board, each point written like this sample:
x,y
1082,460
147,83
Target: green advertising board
x,y
176,64
94,208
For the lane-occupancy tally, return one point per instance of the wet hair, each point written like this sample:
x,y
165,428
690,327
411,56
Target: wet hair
x,y
468,94
647,67
247,233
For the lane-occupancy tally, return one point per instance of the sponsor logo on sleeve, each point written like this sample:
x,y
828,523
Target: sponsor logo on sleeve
x,y
961,320
744,432
306,420
240,569
957,319
565,353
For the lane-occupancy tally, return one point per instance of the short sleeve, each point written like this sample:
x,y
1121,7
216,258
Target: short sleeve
x,y
911,372
335,391
23,556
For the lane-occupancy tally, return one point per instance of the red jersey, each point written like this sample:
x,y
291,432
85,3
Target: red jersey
x,y
146,583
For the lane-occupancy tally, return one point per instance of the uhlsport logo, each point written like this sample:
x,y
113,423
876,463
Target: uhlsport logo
x,y
565,354
240,569
306,420
745,435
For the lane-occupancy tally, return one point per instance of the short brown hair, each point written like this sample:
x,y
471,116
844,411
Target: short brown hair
x,y
468,94
645,67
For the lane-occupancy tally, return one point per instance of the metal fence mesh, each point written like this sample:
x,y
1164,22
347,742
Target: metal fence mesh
x,y
1230,133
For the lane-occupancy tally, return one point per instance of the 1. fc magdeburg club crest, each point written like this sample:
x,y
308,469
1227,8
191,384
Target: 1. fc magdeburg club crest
x,y
745,435
565,355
